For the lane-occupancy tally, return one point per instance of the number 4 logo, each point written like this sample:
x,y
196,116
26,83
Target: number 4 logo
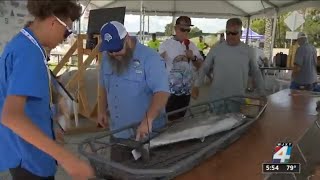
x,y
282,155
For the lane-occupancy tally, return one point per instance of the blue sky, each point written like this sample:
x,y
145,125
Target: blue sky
x,y
158,23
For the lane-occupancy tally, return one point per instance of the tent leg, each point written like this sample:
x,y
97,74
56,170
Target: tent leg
x,y
173,22
148,24
173,17
248,27
275,19
141,19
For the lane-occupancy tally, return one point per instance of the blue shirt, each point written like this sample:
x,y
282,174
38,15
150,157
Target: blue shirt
x,y
129,95
23,73
306,59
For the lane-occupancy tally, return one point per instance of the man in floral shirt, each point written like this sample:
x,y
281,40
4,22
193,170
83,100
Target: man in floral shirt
x,y
182,59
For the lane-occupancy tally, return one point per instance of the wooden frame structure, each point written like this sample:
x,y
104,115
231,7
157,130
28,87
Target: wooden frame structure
x,y
77,79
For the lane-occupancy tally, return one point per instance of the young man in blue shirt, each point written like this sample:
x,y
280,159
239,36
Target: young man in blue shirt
x,y
134,83
27,146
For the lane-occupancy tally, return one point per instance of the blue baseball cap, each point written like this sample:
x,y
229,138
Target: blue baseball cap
x,y
112,35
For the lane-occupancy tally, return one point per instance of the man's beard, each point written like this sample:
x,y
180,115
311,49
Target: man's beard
x,y
121,65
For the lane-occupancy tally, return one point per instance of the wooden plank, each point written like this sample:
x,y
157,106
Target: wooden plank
x,y
84,100
65,58
84,66
87,51
95,110
84,129
81,84
77,79
82,36
286,117
81,109
80,51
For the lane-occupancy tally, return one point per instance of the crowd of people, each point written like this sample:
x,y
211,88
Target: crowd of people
x,y
138,84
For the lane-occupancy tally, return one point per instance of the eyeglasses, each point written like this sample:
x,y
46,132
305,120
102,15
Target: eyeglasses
x,y
185,30
232,33
68,30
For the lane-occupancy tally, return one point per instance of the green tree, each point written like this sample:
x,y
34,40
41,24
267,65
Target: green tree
x,y
312,26
195,32
168,29
258,25
281,29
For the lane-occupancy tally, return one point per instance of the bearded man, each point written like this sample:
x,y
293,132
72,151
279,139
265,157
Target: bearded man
x,y
134,84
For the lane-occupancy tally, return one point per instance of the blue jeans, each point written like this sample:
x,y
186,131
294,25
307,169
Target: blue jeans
x,y
297,86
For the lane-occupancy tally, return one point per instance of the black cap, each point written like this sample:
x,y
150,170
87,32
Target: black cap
x,y
184,20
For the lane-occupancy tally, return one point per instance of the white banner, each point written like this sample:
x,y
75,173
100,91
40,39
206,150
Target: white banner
x,y
13,16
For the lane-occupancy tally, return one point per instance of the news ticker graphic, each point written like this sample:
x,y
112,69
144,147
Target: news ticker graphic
x,y
282,153
281,167
280,160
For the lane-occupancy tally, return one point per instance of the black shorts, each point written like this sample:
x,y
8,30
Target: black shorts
x,y
177,102
20,173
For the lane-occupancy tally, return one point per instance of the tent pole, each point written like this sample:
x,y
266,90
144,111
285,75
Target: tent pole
x,y
275,19
148,24
248,27
141,14
143,25
173,16
173,22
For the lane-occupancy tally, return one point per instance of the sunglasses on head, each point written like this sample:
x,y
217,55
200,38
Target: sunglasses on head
x,y
68,30
232,33
185,30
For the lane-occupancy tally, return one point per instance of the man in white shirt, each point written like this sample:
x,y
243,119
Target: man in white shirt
x,y
182,59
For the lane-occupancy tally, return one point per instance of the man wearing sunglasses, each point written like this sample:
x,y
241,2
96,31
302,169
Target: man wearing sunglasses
x,y
67,31
134,84
182,59
232,62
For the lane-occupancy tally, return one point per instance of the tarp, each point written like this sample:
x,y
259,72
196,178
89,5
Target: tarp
x,y
251,35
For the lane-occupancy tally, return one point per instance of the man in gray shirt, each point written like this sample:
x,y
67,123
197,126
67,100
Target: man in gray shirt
x,y
232,62
304,75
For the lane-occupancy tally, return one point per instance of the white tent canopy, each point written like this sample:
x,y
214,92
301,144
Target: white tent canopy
x,y
208,9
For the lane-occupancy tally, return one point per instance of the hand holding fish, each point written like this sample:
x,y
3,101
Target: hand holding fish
x,y
142,130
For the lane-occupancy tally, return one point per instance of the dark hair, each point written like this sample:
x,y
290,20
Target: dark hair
x,y
222,34
154,35
200,36
184,20
28,24
63,9
234,21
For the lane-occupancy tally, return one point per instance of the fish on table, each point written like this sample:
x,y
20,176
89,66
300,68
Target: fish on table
x,y
197,128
